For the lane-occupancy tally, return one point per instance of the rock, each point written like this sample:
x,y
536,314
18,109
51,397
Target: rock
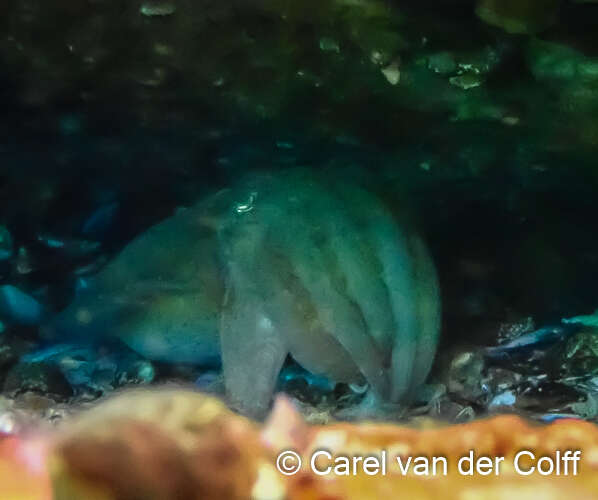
x,y
12,347
34,403
329,45
587,409
95,369
465,377
588,320
210,382
130,369
43,378
555,62
172,445
392,73
512,330
179,444
537,340
29,413
100,220
161,437
19,307
23,471
519,16
157,9
442,62
448,411
466,81
72,247
24,264
294,376
7,354
8,423
502,379
580,356
506,398
430,393
6,244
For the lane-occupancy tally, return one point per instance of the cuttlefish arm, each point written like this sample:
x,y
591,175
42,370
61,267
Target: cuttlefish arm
x,y
320,242
389,246
260,324
253,349
337,285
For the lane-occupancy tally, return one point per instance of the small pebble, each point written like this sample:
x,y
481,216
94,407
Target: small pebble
x,y
8,424
392,73
506,398
19,307
329,45
157,9
466,81
6,245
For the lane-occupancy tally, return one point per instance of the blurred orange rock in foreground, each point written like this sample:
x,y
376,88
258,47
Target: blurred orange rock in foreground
x,y
173,444
162,444
23,475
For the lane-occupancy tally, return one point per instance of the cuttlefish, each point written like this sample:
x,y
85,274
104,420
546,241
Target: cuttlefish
x,y
280,264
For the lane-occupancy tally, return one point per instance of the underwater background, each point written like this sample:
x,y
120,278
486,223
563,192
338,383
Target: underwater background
x,y
482,115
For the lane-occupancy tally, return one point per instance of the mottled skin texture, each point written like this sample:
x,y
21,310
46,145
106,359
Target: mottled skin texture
x,y
278,265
